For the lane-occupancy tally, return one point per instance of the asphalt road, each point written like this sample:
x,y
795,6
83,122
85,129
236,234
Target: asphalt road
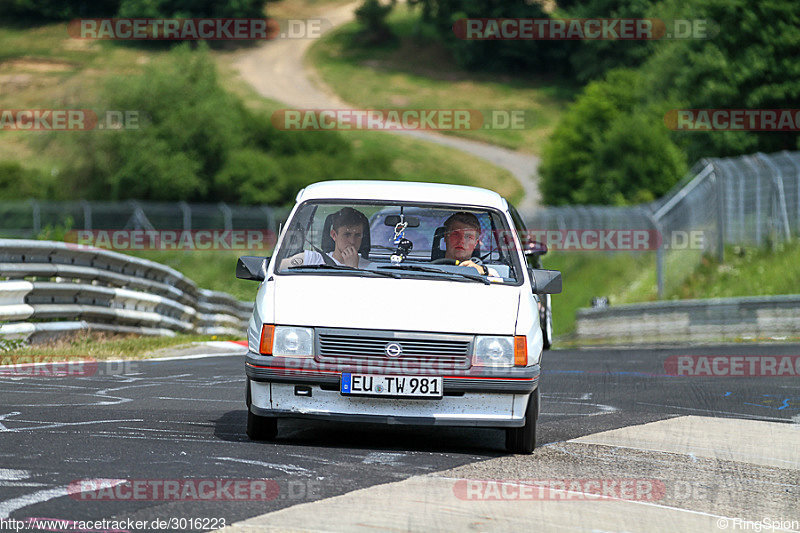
x,y
185,419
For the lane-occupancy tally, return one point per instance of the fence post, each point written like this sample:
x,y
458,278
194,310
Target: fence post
x,y
777,179
227,215
87,215
187,215
659,251
797,166
36,212
716,176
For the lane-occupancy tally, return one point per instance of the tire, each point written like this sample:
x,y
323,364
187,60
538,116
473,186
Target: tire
x,y
259,427
523,440
547,324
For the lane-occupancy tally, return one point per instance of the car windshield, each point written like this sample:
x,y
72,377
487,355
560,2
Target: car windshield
x,y
402,240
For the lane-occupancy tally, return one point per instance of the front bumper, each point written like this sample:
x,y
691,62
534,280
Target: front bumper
x,y
474,397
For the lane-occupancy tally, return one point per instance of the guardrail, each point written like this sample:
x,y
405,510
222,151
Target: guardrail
x,y
50,288
693,320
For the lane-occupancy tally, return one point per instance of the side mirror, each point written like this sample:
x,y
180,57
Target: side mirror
x,y
534,248
252,267
545,281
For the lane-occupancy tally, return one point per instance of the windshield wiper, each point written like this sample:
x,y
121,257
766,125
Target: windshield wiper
x,y
345,267
418,268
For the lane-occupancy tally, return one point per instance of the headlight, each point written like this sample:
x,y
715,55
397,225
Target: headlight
x,y
493,351
289,341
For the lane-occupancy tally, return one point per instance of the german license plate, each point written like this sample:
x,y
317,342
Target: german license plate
x,y
398,386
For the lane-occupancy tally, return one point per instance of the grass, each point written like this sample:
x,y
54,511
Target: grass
x,y
210,269
622,277
417,72
100,347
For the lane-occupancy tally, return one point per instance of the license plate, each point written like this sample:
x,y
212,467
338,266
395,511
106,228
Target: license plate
x,y
402,386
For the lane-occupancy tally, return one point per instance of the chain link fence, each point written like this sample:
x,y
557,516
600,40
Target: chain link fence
x,y
748,200
28,219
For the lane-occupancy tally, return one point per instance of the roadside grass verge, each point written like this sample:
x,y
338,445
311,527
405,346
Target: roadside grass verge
x,y
416,71
102,346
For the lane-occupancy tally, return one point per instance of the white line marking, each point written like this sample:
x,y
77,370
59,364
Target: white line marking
x,y
9,506
385,458
288,469
197,399
65,424
3,417
8,474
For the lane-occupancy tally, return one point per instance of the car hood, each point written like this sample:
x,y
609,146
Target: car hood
x,y
395,304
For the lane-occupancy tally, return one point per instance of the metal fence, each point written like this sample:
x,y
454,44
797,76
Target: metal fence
x,y
50,288
29,218
747,200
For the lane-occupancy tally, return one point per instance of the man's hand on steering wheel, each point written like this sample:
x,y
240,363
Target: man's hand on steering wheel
x,y
468,263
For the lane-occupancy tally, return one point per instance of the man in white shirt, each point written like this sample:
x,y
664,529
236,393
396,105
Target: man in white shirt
x,y
347,232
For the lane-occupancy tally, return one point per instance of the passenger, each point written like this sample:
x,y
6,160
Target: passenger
x,y
462,232
347,232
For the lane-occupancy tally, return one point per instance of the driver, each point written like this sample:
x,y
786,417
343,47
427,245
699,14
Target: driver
x,y
462,231
347,231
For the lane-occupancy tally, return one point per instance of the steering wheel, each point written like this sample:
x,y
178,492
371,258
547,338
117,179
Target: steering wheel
x,y
443,261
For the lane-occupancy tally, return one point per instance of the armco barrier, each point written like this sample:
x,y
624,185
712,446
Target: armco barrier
x,y
50,288
693,320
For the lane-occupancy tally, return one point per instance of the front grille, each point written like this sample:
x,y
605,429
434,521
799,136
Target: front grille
x,y
418,349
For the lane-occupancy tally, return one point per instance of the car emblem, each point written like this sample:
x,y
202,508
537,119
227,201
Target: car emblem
x,y
393,349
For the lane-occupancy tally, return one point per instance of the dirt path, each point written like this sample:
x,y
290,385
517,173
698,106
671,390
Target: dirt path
x,y
276,70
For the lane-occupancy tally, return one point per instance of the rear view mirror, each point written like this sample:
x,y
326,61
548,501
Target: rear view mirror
x,y
394,220
545,281
252,268
534,248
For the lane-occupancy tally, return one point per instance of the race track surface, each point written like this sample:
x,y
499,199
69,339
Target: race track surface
x,y
185,420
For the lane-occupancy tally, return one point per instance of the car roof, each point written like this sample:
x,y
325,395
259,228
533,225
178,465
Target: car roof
x,y
405,191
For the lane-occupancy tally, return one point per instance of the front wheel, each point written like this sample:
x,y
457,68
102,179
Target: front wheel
x,y
259,427
523,440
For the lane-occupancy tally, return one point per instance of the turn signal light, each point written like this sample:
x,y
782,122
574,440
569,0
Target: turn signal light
x,y
520,350
267,336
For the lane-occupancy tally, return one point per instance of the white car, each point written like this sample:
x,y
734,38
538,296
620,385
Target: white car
x,y
367,312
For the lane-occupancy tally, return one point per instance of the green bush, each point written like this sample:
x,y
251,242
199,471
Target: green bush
x,y
608,150
251,177
192,8
18,182
372,15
